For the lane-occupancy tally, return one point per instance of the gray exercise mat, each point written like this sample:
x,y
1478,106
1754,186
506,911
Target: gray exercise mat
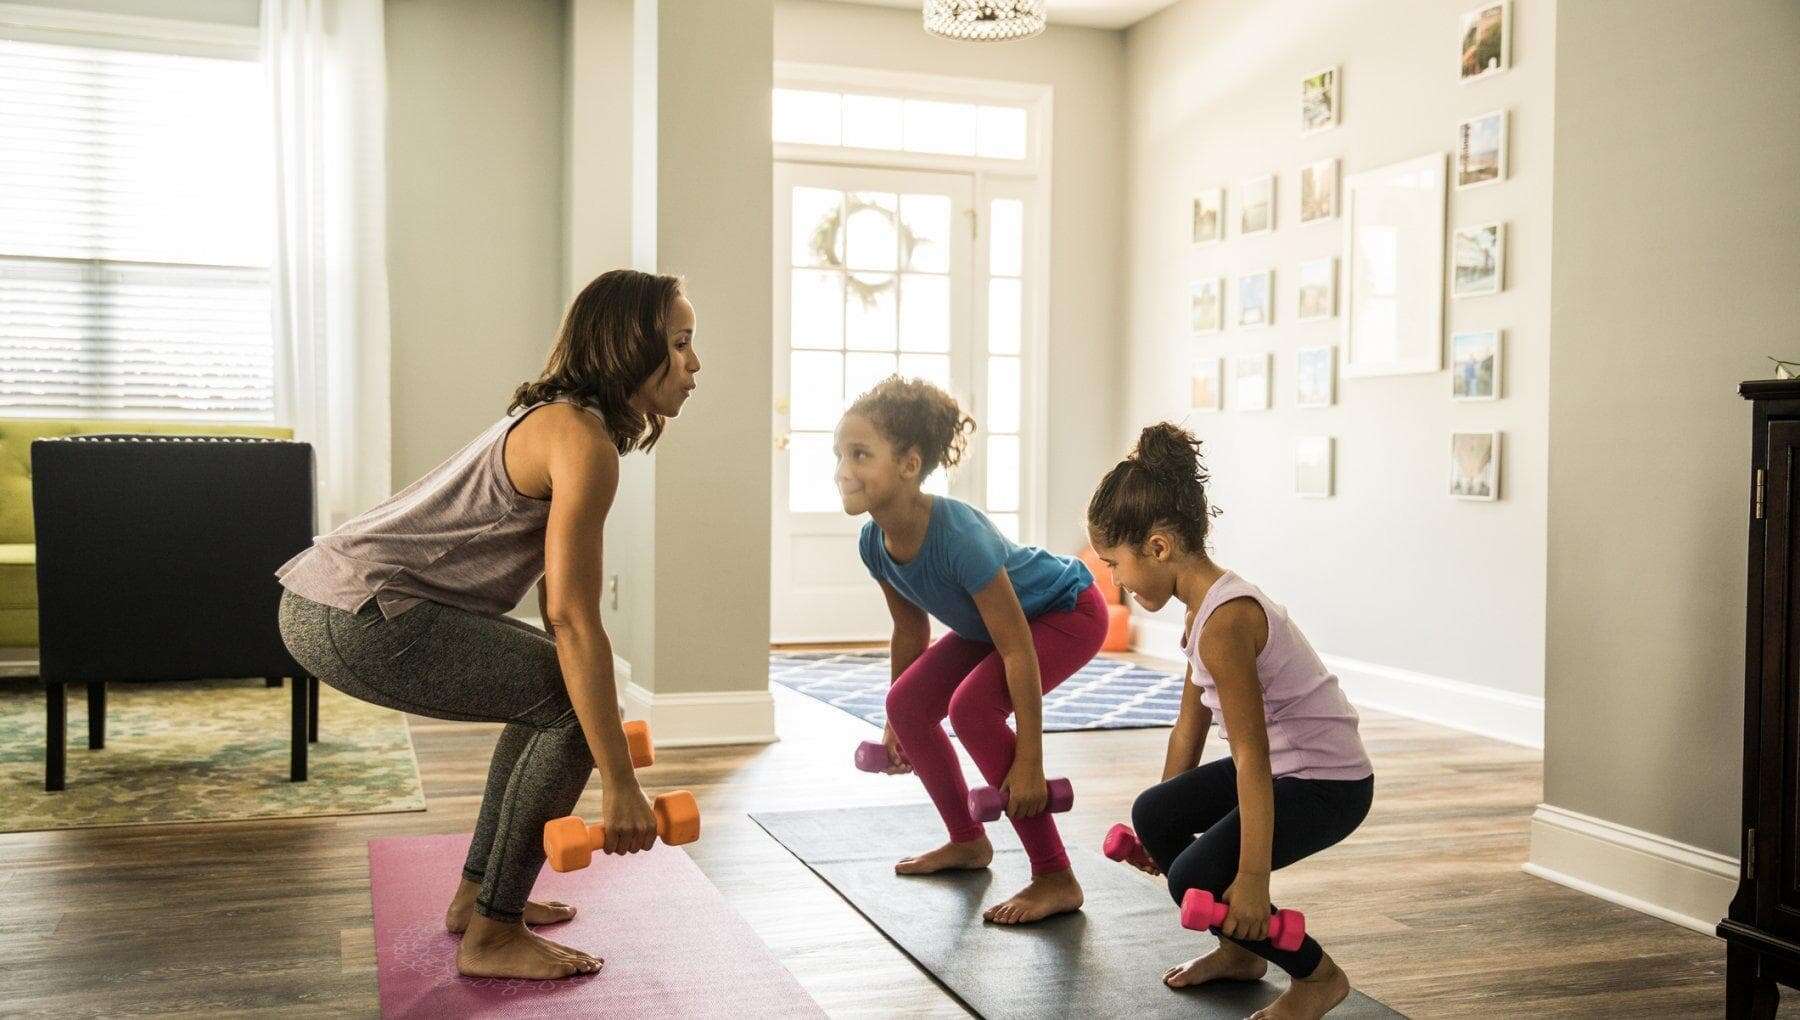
x,y
1105,960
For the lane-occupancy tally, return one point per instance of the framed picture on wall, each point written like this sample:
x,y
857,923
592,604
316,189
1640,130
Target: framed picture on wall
x,y
1319,101
1209,216
1475,465
1481,150
1486,40
1318,289
1475,365
1319,191
1256,298
1206,305
1478,260
1250,382
1256,205
1394,268
1312,466
1206,390
1315,376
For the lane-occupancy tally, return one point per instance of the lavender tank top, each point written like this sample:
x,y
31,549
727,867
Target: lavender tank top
x,y
461,536
1312,728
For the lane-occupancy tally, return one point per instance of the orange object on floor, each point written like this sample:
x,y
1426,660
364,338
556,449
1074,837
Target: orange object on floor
x,y
569,843
1118,629
1109,588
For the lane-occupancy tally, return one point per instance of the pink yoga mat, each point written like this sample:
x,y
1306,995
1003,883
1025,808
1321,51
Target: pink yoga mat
x,y
672,946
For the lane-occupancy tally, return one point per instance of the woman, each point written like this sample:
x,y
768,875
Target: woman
x,y
404,605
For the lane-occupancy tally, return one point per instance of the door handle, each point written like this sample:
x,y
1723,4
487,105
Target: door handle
x,y
781,441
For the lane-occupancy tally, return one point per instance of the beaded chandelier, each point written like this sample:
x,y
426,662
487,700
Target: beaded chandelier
x,y
984,20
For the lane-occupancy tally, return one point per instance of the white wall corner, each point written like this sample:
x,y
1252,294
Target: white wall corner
x,y
1652,874
1473,708
704,719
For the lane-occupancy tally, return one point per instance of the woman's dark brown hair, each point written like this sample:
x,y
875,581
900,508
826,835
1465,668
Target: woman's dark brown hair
x,y
912,414
1160,486
613,340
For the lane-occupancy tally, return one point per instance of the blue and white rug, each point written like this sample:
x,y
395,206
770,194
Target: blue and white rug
x,y
1105,694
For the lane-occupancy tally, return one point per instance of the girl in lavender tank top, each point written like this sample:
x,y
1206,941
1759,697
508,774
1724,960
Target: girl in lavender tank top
x,y
1297,779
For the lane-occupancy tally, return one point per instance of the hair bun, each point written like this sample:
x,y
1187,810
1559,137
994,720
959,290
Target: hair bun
x,y
1169,453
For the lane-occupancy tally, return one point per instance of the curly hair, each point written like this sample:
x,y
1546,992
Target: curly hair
x,y
1161,485
912,414
613,340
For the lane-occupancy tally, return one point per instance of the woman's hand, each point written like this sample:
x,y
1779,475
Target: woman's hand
x,y
630,824
1026,794
1248,898
897,763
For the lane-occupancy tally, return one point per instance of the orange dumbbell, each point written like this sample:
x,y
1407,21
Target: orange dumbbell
x,y
637,740
570,843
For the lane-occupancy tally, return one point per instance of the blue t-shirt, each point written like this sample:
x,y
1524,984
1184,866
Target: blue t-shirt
x,y
962,554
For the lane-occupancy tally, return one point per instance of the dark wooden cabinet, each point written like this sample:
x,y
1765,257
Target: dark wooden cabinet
x,y
1762,927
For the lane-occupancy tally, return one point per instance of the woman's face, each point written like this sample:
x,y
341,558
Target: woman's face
x,y
1147,575
870,473
665,391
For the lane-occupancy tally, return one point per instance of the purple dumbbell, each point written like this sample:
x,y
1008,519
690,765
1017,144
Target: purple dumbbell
x,y
872,756
988,804
1199,911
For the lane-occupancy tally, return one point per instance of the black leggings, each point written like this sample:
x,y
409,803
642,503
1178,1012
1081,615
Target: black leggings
x,y
446,663
1310,815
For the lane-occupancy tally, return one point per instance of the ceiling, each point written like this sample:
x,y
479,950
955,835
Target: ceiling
x,y
1090,13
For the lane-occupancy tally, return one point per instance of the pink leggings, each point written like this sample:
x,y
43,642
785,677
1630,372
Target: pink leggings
x,y
966,680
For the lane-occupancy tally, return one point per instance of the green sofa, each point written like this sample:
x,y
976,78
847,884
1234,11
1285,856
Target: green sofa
x,y
18,549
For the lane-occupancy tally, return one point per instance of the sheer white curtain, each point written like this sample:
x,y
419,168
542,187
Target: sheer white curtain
x,y
328,80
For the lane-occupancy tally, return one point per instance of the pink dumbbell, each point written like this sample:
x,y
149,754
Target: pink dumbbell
x,y
1199,911
988,804
872,756
1122,845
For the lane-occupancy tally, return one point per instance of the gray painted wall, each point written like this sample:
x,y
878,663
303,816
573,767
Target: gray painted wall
x,y
1677,251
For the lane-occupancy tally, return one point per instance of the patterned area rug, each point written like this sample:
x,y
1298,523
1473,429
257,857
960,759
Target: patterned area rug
x,y
209,750
1105,694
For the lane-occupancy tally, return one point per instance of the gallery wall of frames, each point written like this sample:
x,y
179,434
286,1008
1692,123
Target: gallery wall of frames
x,y
1391,261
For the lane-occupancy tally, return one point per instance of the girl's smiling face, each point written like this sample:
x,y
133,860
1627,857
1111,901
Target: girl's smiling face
x,y
870,473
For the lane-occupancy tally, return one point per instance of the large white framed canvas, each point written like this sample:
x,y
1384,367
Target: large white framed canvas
x,y
1394,270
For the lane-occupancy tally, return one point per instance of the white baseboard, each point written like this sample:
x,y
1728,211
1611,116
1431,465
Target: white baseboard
x,y
1473,708
1653,874
700,719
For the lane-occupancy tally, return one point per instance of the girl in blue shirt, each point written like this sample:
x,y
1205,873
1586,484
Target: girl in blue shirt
x,y
1021,621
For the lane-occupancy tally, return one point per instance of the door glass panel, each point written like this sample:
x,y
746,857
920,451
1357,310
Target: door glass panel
x,y
1006,250
863,371
924,312
812,470
869,312
873,235
1003,395
933,368
1007,523
1003,473
817,390
1005,302
818,227
925,230
816,309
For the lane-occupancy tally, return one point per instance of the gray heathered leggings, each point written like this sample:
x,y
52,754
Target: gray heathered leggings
x,y
447,663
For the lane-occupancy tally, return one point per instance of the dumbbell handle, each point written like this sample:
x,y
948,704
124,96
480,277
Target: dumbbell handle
x,y
597,830
1199,911
988,804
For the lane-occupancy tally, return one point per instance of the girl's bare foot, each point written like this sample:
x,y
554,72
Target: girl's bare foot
x,y
1055,893
1229,962
492,949
462,907
974,855
1311,998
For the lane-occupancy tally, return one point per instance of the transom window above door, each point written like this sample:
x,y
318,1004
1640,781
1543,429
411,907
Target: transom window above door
x,y
900,124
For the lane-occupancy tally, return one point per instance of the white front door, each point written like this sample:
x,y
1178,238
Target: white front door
x,y
873,275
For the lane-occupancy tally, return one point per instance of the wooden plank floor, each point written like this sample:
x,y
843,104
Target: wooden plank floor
x,y
1425,906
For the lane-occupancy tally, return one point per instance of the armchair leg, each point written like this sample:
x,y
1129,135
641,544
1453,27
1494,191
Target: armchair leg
x,y
312,708
271,681
56,705
297,765
96,692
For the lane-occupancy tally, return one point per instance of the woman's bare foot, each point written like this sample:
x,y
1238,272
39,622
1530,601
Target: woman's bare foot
x,y
462,907
1229,962
974,855
1055,893
492,949
1311,998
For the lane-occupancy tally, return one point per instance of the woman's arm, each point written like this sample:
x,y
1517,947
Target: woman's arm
x,y
1229,645
1188,739
583,468
1026,794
